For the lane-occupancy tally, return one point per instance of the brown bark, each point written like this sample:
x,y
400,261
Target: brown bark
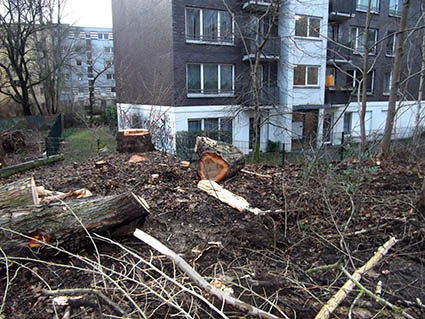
x,y
23,230
218,160
384,147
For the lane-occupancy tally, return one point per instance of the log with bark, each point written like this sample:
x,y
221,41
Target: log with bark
x,y
25,230
218,160
6,172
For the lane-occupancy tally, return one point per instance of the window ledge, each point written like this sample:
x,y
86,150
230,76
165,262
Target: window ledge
x,y
210,42
386,94
307,86
299,37
390,55
371,11
201,95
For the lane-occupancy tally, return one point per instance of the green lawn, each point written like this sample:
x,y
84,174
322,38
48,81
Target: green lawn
x,y
81,144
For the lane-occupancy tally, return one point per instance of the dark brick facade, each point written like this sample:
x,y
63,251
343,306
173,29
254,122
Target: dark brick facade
x,y
151,52
385,24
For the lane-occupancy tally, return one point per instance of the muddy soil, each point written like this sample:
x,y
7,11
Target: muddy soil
x,y
319,215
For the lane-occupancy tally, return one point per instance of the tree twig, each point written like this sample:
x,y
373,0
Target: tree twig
x,y
80,291
342,293
198,279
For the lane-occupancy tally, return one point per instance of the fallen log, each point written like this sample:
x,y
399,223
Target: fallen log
x,y
8,171
217,160
25,231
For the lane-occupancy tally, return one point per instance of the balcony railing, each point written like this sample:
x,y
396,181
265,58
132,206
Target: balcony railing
x,y
267,96
270,51
256,5
341,9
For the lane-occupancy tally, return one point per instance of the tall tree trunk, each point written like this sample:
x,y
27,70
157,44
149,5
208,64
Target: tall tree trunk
x,y
365,80
416,132
395,83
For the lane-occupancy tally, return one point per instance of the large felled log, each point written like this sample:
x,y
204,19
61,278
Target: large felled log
x,y
60,225
217,160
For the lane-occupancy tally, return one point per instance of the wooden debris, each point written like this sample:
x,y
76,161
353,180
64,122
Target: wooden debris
x,y
256,174
184,164
343,292
8,171
136,158
16,194
192,274
227,197
26,231
35,198
217,160
101,163
78,193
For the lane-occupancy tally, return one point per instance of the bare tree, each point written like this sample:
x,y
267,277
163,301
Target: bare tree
x,y
21,23
395,82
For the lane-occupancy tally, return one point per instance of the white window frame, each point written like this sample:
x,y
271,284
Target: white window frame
x,y
389,86
205,95
201,29
308,36
394,9
357,40
394,37
364,9
306,76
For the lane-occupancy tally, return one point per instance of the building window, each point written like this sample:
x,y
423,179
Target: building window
x,y
41,91
348,121
387,83
79,62
391,44
109,76
395,7
212,26
330,77
79,77
357,39
306,75
113,90
210,79
108,49
216,128
103,36
362,5
307,27
354,77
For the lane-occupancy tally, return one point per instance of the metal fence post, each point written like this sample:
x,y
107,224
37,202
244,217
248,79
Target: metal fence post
x,y
283,153
342,146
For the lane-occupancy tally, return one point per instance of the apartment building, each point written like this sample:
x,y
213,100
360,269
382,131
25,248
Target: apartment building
x,y
190,62
90,66
346,36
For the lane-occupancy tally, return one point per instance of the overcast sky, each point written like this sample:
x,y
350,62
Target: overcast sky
x,y
88,13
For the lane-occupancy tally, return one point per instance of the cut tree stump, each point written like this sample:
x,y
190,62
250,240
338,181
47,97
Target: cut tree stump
x,y
218,160
134,141
23,230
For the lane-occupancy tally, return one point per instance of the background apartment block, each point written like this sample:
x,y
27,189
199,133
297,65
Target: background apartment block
x,y
90,65
190,61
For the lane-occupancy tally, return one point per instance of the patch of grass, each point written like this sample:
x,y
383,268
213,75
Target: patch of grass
x,y
81,144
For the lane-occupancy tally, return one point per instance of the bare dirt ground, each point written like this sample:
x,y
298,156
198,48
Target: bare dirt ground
x,y
327,214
